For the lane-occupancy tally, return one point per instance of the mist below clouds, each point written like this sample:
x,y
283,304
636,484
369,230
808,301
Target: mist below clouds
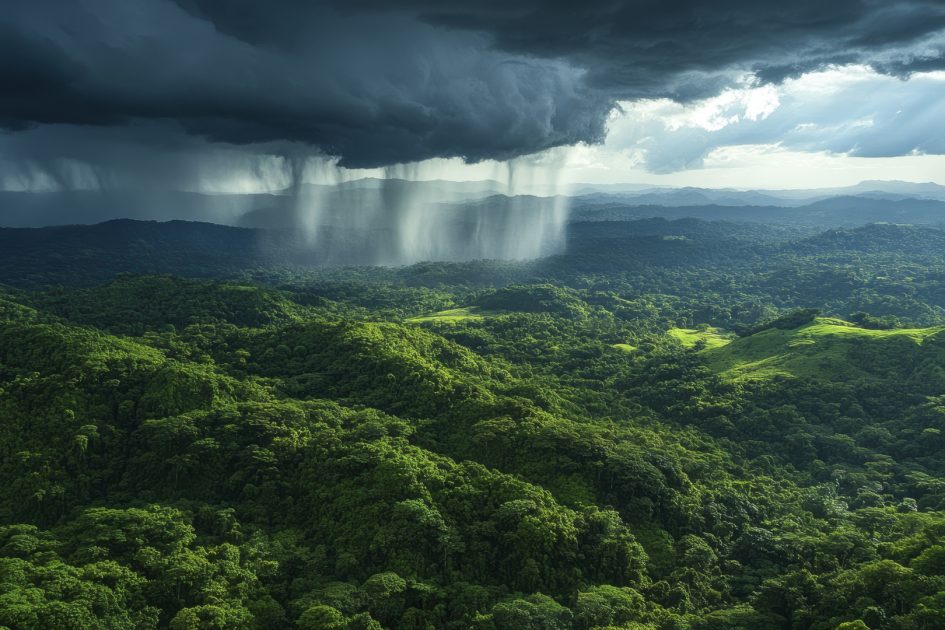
x,y
365,222
398,214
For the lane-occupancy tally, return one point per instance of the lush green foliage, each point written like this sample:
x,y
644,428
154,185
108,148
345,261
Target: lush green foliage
x,y
581,442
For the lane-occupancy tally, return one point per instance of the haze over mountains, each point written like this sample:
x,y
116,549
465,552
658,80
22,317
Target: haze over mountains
x,y
667,196
392,221
277,208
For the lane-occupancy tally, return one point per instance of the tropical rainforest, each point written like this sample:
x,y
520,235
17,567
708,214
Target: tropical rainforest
x,y
674,425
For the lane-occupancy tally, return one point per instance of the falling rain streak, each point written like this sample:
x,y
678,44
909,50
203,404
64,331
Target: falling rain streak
x,y
398,215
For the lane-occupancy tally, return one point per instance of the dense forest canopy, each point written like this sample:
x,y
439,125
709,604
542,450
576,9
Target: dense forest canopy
x,y
676,424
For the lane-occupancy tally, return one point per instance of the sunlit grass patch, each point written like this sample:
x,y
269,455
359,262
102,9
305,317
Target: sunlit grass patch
x,y
449,316
690,337
827,349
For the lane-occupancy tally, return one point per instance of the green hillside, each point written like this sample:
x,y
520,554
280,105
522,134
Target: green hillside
x,y
703,339
834,350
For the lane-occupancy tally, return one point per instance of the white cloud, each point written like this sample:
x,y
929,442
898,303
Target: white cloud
x,y
772,166
850,110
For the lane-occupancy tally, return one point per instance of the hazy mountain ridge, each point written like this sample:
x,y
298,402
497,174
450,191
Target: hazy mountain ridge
x,y
294,206
846,211
668,196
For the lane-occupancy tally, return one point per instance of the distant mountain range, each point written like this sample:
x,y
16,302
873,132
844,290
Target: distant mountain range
x,y
380,202
848,211
887,190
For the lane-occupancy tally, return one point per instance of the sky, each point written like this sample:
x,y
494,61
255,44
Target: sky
x,y
246,96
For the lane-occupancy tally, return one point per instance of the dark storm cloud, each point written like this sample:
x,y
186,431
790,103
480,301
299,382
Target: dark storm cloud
x,y
382,82
647,48
373,89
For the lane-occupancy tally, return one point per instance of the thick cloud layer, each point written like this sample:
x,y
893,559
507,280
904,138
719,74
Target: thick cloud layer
x,y
376,82
371,89
685,48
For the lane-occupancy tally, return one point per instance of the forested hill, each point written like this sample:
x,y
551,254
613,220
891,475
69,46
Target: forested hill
x,y
833,212
676,425
92,254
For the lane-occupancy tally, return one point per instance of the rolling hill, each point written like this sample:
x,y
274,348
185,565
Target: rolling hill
x,y
835,350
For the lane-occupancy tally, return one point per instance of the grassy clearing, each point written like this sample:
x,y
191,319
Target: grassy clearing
x,y
829,349
690,337
626,347
449,316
